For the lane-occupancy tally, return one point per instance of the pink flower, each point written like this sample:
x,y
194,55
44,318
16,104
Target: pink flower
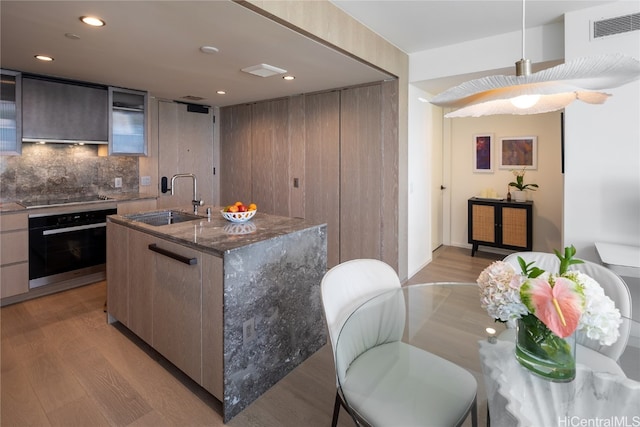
x,y
557,302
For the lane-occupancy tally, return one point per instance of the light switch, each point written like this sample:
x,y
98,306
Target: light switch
x,y
145,180
118,182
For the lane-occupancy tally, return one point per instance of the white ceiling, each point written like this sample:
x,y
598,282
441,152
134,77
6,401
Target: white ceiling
x,y
418,25
154,45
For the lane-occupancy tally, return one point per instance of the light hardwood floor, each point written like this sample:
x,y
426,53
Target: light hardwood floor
x,y
63,365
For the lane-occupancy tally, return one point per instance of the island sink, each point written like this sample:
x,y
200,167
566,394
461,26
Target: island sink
x,y
162,217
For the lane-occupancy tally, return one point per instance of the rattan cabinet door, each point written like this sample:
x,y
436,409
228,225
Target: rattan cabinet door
x,y
483,220
514,227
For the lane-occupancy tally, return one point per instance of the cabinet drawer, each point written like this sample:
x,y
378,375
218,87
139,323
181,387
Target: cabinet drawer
x,y
10,222
14,247
14,279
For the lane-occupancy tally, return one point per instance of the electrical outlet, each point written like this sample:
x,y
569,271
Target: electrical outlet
x,y
248,330
118,182
145,180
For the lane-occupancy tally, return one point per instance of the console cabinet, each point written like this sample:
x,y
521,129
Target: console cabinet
x,y
500,224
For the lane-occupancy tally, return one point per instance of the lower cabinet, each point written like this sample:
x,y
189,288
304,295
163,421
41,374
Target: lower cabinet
x,y
14,254
177,306
169,295
500,224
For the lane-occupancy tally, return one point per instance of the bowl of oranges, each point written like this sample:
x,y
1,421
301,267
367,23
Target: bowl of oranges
x,y
239,212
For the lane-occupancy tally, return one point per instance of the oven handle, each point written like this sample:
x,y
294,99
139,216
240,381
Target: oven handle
x,y
183,259
74,228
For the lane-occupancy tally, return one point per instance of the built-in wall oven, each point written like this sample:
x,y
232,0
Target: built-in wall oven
x,y
68,245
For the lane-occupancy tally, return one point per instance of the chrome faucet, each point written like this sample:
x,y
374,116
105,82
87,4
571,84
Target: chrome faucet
x,y
195,202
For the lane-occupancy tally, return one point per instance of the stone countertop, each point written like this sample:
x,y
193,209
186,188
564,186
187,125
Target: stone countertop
x,y
13,206
216,235
9,207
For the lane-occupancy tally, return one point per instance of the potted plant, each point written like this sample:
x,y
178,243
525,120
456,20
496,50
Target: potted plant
x,y
520,194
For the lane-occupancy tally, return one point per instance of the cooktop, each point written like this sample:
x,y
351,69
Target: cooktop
x,y
61,200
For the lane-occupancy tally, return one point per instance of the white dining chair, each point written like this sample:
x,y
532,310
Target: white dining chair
x,y
382,381
612,284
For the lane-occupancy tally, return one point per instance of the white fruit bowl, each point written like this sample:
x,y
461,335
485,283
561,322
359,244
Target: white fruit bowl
x,y
238,217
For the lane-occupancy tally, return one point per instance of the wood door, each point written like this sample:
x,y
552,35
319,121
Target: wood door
x,y
361,169
322,167
235,154
185,146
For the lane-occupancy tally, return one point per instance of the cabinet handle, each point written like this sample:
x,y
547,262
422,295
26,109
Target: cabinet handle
x,y
177,257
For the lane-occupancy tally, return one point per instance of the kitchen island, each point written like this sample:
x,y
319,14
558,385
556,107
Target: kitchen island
x,y
234,306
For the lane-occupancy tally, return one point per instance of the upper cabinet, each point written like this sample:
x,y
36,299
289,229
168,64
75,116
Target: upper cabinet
x,y
10,117
127,122
63,111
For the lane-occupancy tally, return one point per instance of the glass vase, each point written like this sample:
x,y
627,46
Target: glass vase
x,y
544,353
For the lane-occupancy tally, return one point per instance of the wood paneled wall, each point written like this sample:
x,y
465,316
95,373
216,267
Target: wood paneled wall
x,y
341,148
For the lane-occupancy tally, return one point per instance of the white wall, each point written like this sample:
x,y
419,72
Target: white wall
x,y
602,143
419,181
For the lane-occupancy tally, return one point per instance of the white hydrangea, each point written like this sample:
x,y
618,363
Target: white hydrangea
x,y
500,292
600,319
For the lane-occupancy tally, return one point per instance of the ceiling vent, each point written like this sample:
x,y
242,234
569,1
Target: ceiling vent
x,y
264,70
192,98
618,25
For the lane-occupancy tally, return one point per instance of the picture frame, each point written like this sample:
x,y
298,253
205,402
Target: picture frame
x,y
483,153
518,152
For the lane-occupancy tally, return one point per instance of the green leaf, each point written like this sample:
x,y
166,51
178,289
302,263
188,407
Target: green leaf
x,y
567,259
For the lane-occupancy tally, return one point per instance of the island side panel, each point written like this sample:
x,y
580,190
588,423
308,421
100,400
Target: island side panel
x,y
274,285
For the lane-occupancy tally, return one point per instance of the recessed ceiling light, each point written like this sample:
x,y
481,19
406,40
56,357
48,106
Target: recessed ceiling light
x,y
209,49
221,92
44,58
289,77
93,21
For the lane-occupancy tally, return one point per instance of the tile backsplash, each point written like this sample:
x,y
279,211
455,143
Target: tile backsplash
x,y
64,170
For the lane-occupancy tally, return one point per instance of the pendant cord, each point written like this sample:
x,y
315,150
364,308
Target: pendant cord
x,y
523,28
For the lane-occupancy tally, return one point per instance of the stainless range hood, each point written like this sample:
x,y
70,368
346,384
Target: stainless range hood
x,y
62,111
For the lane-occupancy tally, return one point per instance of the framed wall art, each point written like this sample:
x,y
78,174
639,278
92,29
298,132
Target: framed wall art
x,y
483,153
518,152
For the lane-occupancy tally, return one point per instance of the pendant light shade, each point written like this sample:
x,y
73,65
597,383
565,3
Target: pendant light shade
x,y
542,92
555,88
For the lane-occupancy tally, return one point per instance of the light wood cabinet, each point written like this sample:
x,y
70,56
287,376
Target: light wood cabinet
x,y
500,224
118,272
177,306
330,157
142,280
14,254
169,295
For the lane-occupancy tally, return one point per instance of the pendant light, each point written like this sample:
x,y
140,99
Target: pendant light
x,y
542,92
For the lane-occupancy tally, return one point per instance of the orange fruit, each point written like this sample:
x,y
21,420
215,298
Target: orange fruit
x,y
233,208
253,207
238,203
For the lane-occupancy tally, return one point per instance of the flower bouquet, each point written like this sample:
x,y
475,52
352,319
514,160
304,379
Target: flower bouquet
x,y
547,308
